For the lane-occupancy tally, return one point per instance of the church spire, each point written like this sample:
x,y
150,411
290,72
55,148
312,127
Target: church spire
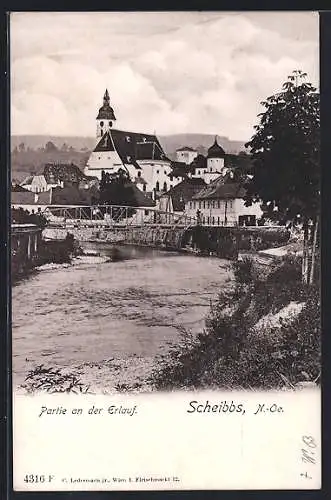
x,y
106,98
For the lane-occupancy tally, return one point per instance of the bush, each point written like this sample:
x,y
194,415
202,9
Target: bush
x,y
53,380
229,355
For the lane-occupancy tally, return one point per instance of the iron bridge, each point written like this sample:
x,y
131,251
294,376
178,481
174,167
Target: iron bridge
x,y
113,216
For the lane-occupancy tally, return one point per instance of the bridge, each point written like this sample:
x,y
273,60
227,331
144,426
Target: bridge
x,y
113,216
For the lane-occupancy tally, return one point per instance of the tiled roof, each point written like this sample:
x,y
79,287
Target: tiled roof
x,y
220,190
55,172
183,192
137,146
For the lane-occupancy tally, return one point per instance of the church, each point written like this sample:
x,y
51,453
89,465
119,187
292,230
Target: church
x,y
140,155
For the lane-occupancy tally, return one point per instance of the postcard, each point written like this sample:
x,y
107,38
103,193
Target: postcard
x,y
165,251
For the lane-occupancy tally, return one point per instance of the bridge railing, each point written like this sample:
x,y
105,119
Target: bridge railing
x,y
114,215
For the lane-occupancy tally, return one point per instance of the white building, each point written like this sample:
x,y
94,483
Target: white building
x,y
38,184
186,155
140,155
222,203
212,167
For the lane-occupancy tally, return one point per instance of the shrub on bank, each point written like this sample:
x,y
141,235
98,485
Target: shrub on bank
x,y
228,354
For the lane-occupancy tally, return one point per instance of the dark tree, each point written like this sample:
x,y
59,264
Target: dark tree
x,y
285,151
117,189
50,147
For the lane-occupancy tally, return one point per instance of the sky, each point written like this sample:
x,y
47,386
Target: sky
x,y
166,72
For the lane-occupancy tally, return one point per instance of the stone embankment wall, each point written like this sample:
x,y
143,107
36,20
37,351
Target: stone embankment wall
x,y
223,242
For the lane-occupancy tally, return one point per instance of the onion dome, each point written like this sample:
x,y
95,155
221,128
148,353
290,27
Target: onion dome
x,y
216,151
106,112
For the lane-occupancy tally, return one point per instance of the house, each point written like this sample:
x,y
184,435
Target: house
x,y
37,183
57,175
186,155
139,154
175,199
221,203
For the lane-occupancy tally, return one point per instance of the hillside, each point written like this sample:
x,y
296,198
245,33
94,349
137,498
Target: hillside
x,y
29,152
201,142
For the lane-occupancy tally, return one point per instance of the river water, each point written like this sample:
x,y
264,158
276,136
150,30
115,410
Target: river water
x,y
108,320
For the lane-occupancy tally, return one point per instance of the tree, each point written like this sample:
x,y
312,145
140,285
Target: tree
x,y
285,150
50,147
117,189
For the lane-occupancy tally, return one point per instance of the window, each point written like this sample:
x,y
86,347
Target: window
x,y
199,204
157,186
171,177
144,187
198,172
158,171
110,124
101,124
213,220
218,221
165,186
146,212
204,204
139,173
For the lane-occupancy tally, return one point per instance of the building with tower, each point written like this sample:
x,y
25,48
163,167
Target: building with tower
x,y
213,166
140,155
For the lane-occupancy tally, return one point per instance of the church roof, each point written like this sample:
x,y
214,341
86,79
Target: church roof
x,y
131,146
216,151
105,143
106,112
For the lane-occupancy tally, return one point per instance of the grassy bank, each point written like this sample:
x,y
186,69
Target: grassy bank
x,y
264,333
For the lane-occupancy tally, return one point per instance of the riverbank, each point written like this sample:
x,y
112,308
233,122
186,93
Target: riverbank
x,y
54,252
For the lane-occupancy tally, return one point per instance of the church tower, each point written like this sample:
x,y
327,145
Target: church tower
x,y
106,116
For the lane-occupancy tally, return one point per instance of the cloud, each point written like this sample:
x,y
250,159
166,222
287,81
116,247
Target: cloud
x,y
169,72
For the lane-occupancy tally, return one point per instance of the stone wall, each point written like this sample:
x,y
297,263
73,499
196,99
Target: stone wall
x,y
224,242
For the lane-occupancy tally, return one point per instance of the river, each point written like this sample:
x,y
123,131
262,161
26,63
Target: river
x,y
106,321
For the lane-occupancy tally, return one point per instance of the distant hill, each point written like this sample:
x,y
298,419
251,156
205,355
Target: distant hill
x,y
169,142
39,141
201,142
29,153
